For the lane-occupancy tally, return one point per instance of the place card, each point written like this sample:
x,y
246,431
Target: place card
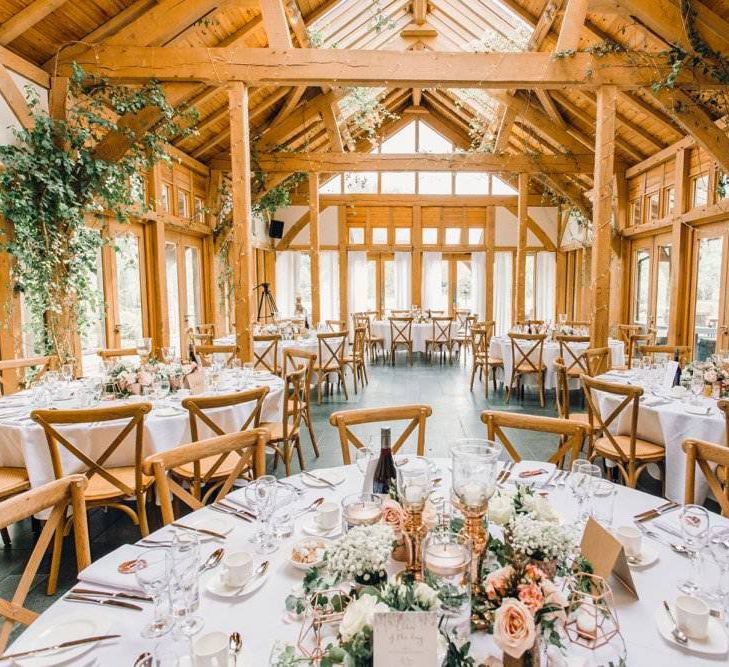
x,y
405,639
195,382
606,554
670,375
369,476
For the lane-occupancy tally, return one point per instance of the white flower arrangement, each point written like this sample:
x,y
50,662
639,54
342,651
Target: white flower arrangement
x,y
509,502
363,550
541,540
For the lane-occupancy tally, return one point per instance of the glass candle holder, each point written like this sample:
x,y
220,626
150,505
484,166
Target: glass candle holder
x,y
361,509
447,569
474,463
413,488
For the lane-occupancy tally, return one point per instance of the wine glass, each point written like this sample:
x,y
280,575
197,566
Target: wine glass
x,y
67,372
262,495
593,477
697,386
144,347
578,483
362,458
694,521
153,575
719,549
185,589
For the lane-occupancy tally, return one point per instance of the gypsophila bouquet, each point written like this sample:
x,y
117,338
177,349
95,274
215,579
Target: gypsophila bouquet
x,y
510,502
539,540
362,552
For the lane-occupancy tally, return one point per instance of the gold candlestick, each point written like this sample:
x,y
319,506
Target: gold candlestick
x,y
474,530
414,531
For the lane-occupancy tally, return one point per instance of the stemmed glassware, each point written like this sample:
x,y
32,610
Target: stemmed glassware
x,y
261,494
67,372
694,521
697,385
153,575
580,481
144,348
362,458
719,550
184,587
413,488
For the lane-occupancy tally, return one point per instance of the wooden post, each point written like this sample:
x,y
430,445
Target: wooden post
x,y
314,244
416,270
572,24
618,277
602,214
157,287
490,261
523,222
680,260
343,264
241,247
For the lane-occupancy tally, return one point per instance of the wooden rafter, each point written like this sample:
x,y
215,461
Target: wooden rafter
x,y
15,99
26,18
573,21
534,228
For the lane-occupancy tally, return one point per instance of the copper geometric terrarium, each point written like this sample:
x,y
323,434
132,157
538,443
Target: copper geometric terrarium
x,y
320,611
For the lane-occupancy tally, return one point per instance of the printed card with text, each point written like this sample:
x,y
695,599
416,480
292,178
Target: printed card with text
x,y
405,639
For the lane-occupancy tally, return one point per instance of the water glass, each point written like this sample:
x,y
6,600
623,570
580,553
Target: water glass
x,y
144,347
579,481
185,589
719,550
362,458
282,524
67,372
153,575
168,354
261,494
603,502
694,521
697,385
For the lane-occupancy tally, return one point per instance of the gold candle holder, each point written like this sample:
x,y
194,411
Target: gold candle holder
x,y
413,488
414,531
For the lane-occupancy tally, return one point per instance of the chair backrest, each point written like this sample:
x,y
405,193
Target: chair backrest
x,y
400,313
672,352
628,397
336,325
197,406
442,329
523,348
133,414
331,349
598,360
415,415
207,351
293,402
572,433
250,446
358,344
41,363
401,329
115,353
292,359
530,323
204,333
635,341
462,317
562,388
571,349
710,458
480,343
578,323
56,496
266,356
723,405
625,331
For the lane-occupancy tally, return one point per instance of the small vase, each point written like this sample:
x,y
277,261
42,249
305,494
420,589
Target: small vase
x,y
530,658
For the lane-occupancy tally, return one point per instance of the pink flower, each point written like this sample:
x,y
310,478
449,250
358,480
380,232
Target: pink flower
x,y
533,572
531,595
145,379
392,514
553,598
514,630
497,582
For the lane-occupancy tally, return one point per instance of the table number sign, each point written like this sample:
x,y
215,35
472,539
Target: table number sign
x,y
405,639
606,554
195,382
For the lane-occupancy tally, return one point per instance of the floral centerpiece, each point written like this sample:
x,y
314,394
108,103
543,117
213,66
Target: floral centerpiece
x,y
126,380
715,373
393,516
361,554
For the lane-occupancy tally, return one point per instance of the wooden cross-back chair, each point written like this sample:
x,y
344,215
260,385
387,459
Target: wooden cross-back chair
x,y
206,352
523,347
482,362
723,405
562,396
572,349
571,433
14,366
462,338
415,415
440,338
530,323
401,335
461,317
335,325
284,435
628,452
56,496
625,331
293,358
400,313
372,342
202,334
108,486
246,448
211,472
713,462
672,352
113,353
331,361
266,356
636,341
356,358
598,360
12,482
577,323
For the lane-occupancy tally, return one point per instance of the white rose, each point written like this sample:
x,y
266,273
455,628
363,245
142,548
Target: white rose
x,y
425,595
540,509
359,614
501,510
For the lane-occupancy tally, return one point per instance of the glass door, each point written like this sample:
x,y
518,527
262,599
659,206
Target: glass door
x,y
651,285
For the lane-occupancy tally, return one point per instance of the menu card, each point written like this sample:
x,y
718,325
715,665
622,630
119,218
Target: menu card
x,y
606,555
405,639
195,382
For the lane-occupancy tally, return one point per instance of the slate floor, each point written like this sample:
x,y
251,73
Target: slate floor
x,y
456,414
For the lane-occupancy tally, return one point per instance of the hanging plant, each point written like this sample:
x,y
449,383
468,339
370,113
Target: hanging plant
x,y
364,109
54,181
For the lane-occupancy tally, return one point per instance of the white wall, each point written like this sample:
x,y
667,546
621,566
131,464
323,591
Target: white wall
x,y
8,121
507,232
328,224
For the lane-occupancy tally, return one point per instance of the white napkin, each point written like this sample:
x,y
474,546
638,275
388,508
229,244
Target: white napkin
x,y
238,497
669,522
105,572
651,401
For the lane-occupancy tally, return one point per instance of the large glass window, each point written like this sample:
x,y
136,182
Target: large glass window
x,y
129,288
642,287
173,295
663,293
398,182
360,182
192,286
708,295
463,284
390,286
434,183
372,304
472,183
529,277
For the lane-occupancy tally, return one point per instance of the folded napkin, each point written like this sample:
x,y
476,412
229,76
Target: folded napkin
x,y
669,522
651,401
105,572
286,497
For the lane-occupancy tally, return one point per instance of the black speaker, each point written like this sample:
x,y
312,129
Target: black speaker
x,y
275,229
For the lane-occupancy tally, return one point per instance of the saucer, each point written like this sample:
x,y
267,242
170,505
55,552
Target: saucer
x,y
217,587
310,528
648,554
715,642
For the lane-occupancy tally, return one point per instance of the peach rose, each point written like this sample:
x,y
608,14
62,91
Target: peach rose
x,y
533,572
497,582
553,598
531,595
514,631
392,515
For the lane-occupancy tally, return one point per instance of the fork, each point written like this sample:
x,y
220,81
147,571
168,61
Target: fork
x,y
505,473
556,478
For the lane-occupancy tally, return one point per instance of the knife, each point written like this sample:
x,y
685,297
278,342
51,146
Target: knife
x,y
106,602
111,594
203,531
58,647
658,512
234,508
321,480
670,503
223,510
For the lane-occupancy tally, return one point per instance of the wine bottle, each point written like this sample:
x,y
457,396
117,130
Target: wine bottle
x,y
679,368
385,469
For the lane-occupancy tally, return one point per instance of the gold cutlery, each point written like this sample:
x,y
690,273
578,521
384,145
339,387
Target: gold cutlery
x,y
105,602
655,509
111,594
654,514
202,531
231,512
316,478
58,647
235,508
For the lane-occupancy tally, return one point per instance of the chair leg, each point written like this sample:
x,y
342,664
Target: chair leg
x,y
473,375
287,457
297,445
55,560
507,398
6,536
318,389
142,514
364,371
344,384
309,425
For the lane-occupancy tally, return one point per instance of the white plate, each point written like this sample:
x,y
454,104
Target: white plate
x,y
310,528
332,475
715,643
702,411
537,480
216,586
648,554
65,630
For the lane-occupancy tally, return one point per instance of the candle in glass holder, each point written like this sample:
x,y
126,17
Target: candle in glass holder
x,y
445,559
361,509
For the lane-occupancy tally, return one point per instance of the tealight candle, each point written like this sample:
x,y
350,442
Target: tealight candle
x,y
445,559
473,494
361,509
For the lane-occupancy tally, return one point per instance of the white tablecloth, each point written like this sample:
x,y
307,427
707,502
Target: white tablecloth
x,y
261,617
669,423
500,348
420,332
23,442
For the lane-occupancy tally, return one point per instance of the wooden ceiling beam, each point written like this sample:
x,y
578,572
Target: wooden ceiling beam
x,y
15,99
544,24
25,68
573,21
424,68
419,10
26,18
550,107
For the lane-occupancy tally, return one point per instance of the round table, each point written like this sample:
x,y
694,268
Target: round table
x,y
309,344
500,348
23,442
666,420
261,617
420,332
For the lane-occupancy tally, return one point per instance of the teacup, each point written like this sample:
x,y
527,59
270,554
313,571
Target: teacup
x,y
327,516
210,650
237,568
692,616
630,538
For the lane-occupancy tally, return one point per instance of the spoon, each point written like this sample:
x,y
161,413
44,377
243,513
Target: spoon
x,y
213,559
144,660
678,635
311,507
681,549
235,644
259,572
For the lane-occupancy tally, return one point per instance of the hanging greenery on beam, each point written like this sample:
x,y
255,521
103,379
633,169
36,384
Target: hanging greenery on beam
x,y
54,185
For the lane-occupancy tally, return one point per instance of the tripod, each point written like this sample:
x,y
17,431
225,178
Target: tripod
x,y
266,303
